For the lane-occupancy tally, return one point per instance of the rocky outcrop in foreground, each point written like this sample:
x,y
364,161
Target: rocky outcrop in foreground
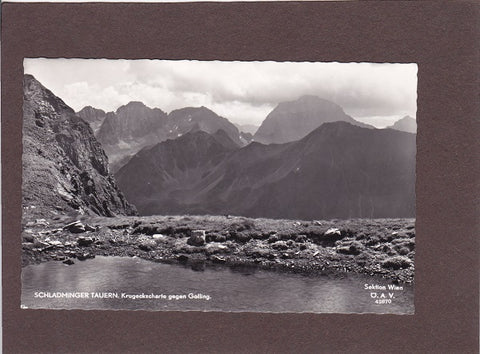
x,y
65,169
383,247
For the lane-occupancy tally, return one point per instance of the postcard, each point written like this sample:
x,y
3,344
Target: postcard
x,y
185,185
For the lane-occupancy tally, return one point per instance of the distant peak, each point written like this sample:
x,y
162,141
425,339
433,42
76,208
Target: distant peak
x,y
90,108
135,103
309,100
194,111
406,124
132,104
312,98
201,108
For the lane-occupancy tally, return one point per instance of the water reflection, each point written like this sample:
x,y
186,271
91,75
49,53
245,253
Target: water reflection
x,y
230,289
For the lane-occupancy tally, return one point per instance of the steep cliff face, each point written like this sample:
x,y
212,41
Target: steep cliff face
x,y
64,167
291,121
129,129
134,126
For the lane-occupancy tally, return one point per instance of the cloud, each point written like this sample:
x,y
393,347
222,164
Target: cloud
x,y
244,92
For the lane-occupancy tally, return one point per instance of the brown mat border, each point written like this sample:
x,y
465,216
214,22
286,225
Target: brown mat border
x,y
442,37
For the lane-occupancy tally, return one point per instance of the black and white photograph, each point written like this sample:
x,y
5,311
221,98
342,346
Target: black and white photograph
x,y
237,186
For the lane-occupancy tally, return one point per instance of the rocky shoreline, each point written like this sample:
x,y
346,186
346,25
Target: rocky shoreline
x,y
381,247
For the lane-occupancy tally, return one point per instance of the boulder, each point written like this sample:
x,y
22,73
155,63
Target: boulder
x,y
332,231
85,241
28,238
182,258
329,237
261,235
199,233
215,237
159,238
301,238
56,243
280,245
197,238
273,238
216,248
146,244
89,228
217,259
262,253
146,230
68,262
59,257
354,249
41,244
75,227
243,237
397,262
84,256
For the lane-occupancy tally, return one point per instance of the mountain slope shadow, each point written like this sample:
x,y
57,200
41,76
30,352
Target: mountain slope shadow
x,y
337,171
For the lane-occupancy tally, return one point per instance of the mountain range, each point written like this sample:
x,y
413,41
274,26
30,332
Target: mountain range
x,y
192,161
64,167
291,121
338,170
134,126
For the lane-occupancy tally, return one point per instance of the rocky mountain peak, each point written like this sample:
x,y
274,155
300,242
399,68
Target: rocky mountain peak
x,y
64,167
201,118
90,111
132,105
293,120
406,124
93,116
34,91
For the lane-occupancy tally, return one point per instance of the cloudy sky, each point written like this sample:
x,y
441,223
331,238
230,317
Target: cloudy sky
x,y
243,92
